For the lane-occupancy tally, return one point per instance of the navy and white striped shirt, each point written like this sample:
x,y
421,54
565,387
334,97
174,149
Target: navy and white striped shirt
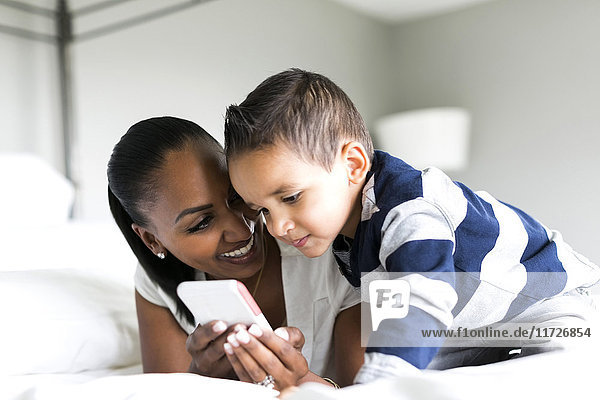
x,y
422,223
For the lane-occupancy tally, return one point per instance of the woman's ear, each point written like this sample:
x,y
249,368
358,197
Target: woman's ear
x,y
149,239
356,160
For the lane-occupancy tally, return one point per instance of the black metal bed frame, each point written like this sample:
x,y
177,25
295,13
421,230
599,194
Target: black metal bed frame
x,y
63,38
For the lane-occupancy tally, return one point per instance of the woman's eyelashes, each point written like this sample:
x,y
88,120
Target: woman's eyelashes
x,y
202,225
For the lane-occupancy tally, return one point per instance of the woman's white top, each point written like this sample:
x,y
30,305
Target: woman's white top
x,y
315,292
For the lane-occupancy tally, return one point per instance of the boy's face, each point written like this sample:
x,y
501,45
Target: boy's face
x,y
304,204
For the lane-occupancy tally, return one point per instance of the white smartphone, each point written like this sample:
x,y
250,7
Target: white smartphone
x,y
227,300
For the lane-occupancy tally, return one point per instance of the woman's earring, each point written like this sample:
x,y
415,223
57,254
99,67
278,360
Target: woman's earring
x,y
161,255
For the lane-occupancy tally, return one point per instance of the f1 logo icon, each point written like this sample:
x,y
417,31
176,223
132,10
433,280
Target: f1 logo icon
x,y
388,300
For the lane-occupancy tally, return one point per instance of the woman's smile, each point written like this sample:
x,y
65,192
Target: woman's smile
x,y
241,251
243,255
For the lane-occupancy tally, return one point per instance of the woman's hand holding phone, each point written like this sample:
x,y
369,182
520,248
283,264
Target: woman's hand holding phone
x,y
205,345
256,353
253,352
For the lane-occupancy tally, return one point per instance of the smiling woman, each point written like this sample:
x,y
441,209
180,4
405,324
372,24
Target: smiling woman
x,y
170,195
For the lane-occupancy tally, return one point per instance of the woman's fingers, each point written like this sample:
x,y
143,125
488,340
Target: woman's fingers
x,y
286,343
291,335
263,353
248,355
220,369
205,345
204,334
235,363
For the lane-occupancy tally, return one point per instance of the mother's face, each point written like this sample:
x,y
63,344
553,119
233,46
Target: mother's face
x,y
198,218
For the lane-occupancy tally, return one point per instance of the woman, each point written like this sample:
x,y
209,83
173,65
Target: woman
x,y
170,195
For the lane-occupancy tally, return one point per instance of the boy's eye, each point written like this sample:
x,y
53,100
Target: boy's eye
x,y
292,199
202,225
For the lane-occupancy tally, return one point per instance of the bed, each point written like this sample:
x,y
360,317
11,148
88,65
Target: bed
x,y
69,327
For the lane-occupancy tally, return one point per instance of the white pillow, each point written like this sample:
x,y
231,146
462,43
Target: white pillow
x,y
97,246
65,321
32,191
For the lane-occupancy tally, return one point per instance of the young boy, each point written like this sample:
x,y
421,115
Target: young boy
x,y
299,152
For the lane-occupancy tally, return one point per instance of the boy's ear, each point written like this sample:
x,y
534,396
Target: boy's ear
x,y
356,160
149,239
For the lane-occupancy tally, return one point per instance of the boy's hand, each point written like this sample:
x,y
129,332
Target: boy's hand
x,y
256,353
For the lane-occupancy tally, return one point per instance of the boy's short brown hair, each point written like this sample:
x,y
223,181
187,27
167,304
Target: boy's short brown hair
x,y
304,110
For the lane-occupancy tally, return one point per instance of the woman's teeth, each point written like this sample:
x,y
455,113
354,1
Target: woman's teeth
x,y
242,251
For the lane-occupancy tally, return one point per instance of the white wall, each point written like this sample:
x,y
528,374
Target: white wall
x,y
29,101
528,71
194,63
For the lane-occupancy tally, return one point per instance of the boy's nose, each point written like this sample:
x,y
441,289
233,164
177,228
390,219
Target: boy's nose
x,y
281,226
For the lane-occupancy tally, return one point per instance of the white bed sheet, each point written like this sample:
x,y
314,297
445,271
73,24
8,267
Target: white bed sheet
x,y
557,375
125,387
